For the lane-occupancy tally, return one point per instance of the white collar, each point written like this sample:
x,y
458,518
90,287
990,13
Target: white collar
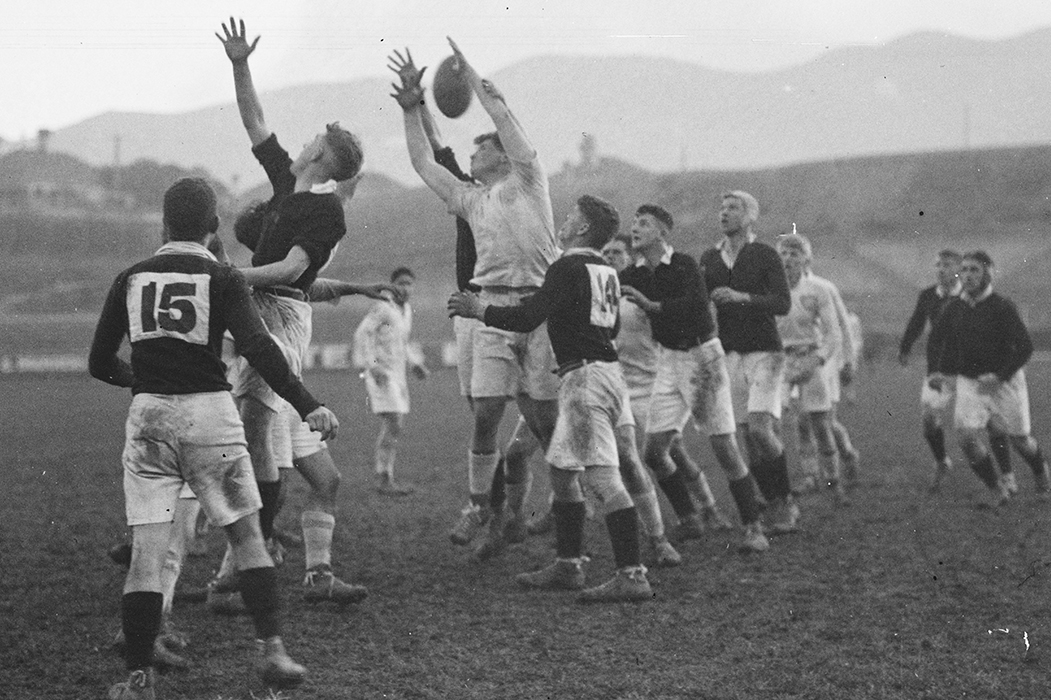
x,y
582,250
324,187
185,248
981,297
665,258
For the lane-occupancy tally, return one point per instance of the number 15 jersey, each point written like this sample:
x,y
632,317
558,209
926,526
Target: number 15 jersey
x,y
174,308
579,300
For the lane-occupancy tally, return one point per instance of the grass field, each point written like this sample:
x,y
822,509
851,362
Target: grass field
x,y
903,595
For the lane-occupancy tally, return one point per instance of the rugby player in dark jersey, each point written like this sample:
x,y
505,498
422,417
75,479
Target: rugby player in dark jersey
x,y
183,426
579,299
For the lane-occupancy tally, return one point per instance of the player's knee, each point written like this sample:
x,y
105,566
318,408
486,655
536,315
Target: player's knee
x,y
609,488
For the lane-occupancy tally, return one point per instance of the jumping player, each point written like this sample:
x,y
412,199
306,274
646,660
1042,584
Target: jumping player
x,y
183,427
382,352
303,224
980,340
579,299
691,377
746,281
509,212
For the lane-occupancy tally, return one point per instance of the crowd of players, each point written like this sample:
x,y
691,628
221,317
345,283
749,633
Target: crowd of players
x,y
610,344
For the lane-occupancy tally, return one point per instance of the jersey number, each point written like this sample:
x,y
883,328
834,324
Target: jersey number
x,y
173,305
605,295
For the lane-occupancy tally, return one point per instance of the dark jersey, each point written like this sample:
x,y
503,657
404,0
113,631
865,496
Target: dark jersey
x,y
579,300
314,222
685,319
757,271
466,254
174,308
929,306
978,338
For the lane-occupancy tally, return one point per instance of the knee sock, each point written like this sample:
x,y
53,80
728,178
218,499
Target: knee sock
x,y
260,596
674,487
830,466
481,469
270,493
1036,462
1001,449
649,513
936,439
746,495
623,527
141,622
986,471
763,473
779,476
498,487
569,528
699,489
318,527
517,495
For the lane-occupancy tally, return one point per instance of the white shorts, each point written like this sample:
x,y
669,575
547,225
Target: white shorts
x,y
463,329
392,397
279,437
755,382
591,401
815,394
508,364
1007,406
640,386
679,384
937,400
188,439
290,324
713,408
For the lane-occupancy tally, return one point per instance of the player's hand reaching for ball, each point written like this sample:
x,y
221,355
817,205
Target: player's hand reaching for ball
x,y
236,42
406,69
466,304
323,421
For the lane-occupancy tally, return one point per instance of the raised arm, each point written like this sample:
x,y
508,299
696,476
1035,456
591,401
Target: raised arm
x,y
409,96
238,50
515,142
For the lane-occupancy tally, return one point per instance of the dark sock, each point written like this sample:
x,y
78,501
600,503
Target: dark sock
x,y
498,492
260,596
746,495
763,474
779,475
1036,462
1001,448
569,528
141,621
674,487
623,527
986,471
270,493
936,439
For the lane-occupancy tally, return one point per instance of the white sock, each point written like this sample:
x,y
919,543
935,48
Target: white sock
x,y
480,470
649,510
318,527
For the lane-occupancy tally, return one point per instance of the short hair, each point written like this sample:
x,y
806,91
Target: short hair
x,y
347,148
189,210
657,212
979,256
602,217
401,272
624,238
490,136
796,241
950,254
751,204
249,224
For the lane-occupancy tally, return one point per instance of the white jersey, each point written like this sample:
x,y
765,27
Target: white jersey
x,y
514,229
636,348
381,340
812,320
850,331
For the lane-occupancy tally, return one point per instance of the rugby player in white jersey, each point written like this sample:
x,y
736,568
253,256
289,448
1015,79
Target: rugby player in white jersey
x,y
509,212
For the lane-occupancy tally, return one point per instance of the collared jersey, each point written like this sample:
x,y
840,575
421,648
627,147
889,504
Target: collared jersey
x,y
514,229
381,340
929,306
759,272
174,308
311,220
812,320
579,299
684,320
973,337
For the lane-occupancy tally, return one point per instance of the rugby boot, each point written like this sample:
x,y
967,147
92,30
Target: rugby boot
x,y
563,574
754,540
690,527
840,499
472,519
850,467
276,550
941,470
278,669
1010,483
224,596
714,519
320,584
164,658
664,554
628,585
784,517
171,637
1042,481
996,496
139,686
389,487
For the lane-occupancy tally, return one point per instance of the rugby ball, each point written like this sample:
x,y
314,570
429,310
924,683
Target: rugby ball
x,y
452,92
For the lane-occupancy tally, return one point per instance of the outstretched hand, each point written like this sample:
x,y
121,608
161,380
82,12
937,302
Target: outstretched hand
x,y
236,42
406,69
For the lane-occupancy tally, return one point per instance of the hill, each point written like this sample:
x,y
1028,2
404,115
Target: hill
x,y
921,93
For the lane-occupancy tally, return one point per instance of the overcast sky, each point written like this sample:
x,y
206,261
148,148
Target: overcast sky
x,y
66,60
